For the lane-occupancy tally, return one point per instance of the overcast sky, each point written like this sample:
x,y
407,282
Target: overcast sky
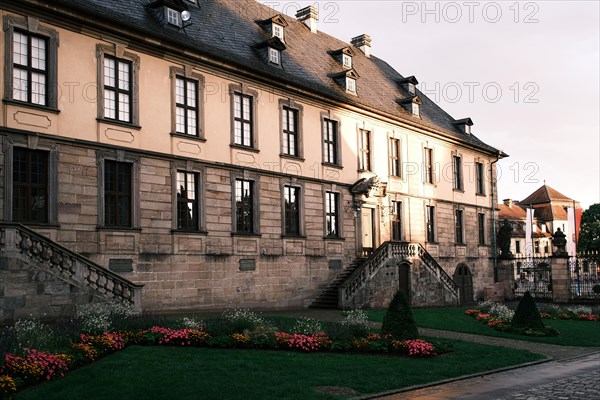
x,y
526,72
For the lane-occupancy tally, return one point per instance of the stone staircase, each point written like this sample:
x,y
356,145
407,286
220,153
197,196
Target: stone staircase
x,y
342,290
329,297
29,254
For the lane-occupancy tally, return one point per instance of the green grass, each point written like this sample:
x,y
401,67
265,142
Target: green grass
x,y
198,373
572,333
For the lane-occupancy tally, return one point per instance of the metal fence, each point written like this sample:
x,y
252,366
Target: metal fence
x,y
533,275
585,278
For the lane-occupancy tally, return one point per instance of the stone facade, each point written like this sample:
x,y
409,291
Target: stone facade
x,y
213,266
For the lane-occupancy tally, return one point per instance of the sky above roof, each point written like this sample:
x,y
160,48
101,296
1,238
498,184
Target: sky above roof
x,y
527,73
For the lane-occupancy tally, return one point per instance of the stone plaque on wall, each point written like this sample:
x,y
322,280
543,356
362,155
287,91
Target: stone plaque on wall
x,y
335,264
120,265
248,264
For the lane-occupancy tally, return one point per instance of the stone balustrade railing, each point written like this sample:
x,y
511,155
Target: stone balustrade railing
x,y
385,252
69,265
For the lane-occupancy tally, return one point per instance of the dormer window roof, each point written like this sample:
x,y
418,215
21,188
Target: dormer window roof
x,y
409,84
275,26
272,49
411,104
464,125
347,80
344,56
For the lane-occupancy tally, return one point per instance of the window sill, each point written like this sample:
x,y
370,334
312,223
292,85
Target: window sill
x,y
248,234
326,164
40,225
396,177
364,171
118,228
241,147
201,232
293,237
481,194
291,157
334,238
458,190
188,137
119,123
18,103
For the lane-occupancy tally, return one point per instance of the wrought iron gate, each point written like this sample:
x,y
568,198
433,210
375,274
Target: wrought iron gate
x,y
585,278
533,275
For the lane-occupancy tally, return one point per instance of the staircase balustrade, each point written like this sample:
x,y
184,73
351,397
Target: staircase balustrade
x,y
69,265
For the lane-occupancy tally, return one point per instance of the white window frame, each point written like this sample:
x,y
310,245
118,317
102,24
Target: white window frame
x,y
274,56
346,61
173,17
277,31
351,84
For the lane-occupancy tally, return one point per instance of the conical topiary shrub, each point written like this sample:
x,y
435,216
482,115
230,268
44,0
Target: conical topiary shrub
x,y
527,314
398,320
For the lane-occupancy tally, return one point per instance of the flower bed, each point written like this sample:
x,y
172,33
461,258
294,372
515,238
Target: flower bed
x,y
234,329
503,325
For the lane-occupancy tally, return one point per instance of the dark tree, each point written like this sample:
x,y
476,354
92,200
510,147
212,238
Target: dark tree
x,y
398,320
527,314
589,233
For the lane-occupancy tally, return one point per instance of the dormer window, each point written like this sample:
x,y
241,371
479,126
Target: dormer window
x,y
351,85
464,125
274,56
347,61
346,80
415,109
173,17
277,31
411,104
409,84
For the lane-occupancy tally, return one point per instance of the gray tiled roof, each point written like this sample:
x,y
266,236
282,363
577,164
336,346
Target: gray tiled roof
x,y
228,30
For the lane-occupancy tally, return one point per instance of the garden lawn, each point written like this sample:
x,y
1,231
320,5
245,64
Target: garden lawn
x,y
572,333
199,373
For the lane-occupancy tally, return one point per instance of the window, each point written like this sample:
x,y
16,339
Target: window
x,y
457,172
118,81
29,68
277,31
430,223
242,115
397,220
244,206
518,246
415,109
30,185
546,247
187,201
536,245
173,17
346,61
351,85
117,89
117,194
31,62
332,228
428,165
394,157
186,106
330,142
458,226
289,119
481,228
364,152
291,216
480,178
274,55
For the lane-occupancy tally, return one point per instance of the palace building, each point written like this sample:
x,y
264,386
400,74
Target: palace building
x,y
187,154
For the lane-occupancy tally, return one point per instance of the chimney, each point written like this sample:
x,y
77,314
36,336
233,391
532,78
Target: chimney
x,y
309,16
363,42
508,203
